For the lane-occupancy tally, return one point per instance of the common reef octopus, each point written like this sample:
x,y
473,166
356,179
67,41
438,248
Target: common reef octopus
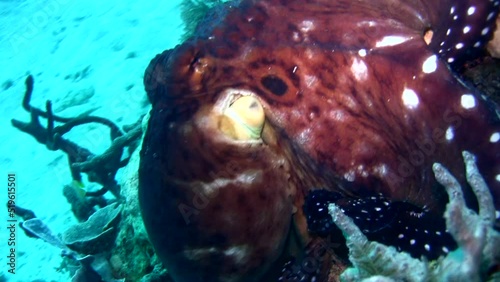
x,y
271,99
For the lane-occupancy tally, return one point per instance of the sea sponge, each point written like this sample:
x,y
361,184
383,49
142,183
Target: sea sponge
x,y
95,235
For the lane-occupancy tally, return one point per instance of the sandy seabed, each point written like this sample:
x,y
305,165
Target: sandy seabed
x,y
83,55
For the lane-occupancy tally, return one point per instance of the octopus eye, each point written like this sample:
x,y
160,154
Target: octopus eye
x,y
199,67
274,84
195,61
243,119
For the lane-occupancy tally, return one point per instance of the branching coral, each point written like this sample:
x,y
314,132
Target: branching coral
x,y
99,168
97,233
479,243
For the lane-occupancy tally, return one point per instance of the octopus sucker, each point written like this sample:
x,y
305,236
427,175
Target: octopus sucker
x,y
271,105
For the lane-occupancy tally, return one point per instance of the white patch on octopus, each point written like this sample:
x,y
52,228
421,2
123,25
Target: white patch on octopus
x,y
449,134
238,253
337,115
468,101
310,80
410,98
306,26
359,69
380,170
494,137
430,64
471,10
349,176
391,40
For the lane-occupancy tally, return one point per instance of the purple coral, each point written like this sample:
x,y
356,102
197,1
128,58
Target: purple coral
x,y
478,241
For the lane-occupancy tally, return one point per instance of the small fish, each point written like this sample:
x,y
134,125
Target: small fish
x,y
403,225
79,188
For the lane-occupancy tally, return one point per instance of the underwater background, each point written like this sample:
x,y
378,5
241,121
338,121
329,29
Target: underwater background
x,y
83,55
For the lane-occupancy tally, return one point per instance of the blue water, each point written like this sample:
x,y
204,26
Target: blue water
x,y
83,55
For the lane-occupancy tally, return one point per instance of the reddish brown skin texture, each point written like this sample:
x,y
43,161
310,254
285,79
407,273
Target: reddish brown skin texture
x,y
203,196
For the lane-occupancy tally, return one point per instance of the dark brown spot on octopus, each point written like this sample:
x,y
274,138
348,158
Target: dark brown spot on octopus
x,y
314,111
262,196
274,84
241,200
217,208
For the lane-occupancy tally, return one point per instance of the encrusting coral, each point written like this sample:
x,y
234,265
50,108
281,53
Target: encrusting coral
x,y
132,256
478,241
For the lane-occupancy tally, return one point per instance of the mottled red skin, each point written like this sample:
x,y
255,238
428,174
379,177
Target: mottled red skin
x,y
334,128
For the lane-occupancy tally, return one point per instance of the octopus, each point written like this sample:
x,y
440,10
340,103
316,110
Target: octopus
x,y
271,100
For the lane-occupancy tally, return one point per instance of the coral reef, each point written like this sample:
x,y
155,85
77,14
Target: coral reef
x,y
82,268
94,236
133,255
483,73
479,242
85,246
94,268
